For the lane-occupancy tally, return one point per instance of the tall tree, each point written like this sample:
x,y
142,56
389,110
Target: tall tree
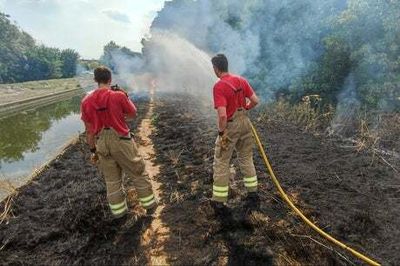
x,y
69,59
43,63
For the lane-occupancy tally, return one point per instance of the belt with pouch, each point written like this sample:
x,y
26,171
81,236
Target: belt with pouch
x,y
121,137
231,120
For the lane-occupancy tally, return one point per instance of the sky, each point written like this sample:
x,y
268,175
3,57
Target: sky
x,y
84,25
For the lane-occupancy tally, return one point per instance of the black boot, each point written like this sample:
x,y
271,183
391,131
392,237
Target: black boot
x,y
220,209
151,211
252,202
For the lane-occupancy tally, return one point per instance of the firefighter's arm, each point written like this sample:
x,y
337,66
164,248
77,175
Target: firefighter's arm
x,y
251,97
128,108
253,101
130,116
91,141
222,124
90,138
222,119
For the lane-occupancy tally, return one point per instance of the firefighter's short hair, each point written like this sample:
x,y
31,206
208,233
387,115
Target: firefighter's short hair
x,y
220,62
102,75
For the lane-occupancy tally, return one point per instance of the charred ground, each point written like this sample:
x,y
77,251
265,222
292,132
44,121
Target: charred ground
x,y
61,217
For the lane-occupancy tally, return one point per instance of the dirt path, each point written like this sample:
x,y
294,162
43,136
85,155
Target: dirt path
x,y
153,239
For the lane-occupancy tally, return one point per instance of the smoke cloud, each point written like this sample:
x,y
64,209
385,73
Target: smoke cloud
x,y
271,42
127,68
348,106
278,46
178,65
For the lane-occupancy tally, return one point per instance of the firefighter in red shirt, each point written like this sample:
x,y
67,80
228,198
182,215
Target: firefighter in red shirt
x,y
104,112
233,97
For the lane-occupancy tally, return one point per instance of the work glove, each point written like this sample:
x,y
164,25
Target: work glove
x,y
94,158
224,140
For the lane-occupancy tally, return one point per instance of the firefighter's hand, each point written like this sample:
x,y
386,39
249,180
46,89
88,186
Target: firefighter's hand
x,y
94,158
224,140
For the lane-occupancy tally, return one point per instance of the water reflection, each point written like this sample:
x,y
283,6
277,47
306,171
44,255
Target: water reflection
x,y
30,139
23,132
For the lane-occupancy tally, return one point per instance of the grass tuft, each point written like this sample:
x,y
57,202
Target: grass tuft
x,y
8,187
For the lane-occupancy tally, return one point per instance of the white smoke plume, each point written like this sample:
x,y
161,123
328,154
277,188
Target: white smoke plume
x,y
178,65
348,106
170,63
273,42
270,42
127,68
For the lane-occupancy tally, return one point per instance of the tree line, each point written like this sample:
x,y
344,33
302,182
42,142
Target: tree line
x,y
22,59
361,56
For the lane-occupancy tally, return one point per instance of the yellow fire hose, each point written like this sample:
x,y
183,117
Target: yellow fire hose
x,y
303,217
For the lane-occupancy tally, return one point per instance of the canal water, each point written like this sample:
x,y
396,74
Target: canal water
x,y
30,139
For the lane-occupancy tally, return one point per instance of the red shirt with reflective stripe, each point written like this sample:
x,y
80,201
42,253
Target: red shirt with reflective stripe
x,y
107,108
224,95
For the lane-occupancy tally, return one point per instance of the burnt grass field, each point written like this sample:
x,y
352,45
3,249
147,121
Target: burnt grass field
x,y
62,217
